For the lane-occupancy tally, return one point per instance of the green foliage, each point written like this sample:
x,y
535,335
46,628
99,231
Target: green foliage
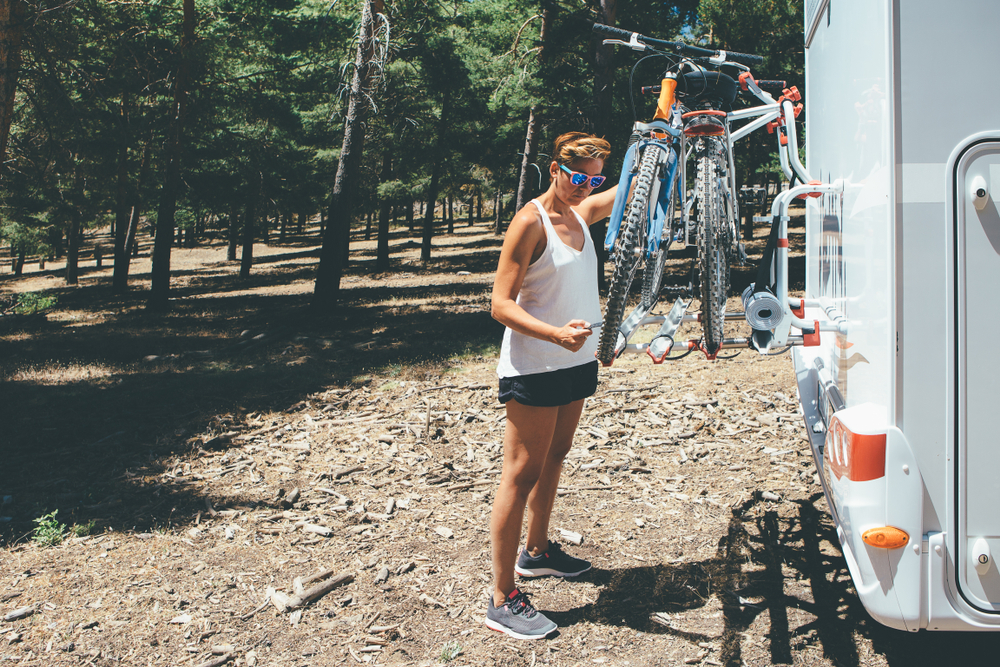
x,y
267,100
48,531
29,303
450,651
83,529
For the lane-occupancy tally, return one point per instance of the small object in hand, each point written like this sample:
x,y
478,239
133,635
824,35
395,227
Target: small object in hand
x,y
596,325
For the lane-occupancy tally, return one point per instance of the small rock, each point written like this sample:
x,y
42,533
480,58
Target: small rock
x,y
382,576
182,619
773,497
446,533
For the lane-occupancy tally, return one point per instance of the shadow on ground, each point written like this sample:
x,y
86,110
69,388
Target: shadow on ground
x,y
96,405
784,566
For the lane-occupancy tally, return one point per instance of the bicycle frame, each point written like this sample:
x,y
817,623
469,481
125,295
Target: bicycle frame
x,y
670,148
674,143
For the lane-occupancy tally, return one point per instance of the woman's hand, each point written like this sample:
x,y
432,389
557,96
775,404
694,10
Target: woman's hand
x,y
573,335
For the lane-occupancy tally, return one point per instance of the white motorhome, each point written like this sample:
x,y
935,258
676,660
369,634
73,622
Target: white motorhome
x,y
903,115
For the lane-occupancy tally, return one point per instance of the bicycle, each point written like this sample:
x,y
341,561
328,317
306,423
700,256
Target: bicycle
x,y
652,207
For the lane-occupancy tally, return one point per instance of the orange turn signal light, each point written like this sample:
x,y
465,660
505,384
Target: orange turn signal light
x,y
886,537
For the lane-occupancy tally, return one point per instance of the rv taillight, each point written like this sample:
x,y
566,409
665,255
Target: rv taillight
x,y
886,537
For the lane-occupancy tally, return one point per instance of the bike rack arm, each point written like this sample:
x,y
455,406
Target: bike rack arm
x,y
779,209
767,114
792,147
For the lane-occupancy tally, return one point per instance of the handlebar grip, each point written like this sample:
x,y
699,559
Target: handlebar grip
x,y
745,58
611,31
772,84
650,90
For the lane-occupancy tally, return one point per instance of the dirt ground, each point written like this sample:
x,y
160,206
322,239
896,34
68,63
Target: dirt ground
x,y
223,453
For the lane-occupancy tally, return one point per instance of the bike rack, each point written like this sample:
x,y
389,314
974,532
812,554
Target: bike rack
x,y
792,312
778,114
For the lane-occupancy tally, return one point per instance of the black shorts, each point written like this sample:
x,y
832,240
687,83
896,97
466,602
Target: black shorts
x,y
551,389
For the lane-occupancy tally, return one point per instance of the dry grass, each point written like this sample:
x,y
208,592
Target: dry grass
x,y
175,434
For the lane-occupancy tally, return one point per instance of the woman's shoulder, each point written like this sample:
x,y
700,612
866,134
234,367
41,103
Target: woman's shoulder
x,y
529,218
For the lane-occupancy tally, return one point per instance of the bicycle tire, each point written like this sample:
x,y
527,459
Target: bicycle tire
x,y
652,276
713,246
630,238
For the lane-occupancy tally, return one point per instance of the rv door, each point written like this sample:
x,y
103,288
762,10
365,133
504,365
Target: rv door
x,y
976,229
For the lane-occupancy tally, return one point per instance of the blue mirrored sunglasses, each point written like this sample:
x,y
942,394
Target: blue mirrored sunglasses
x,y
576,178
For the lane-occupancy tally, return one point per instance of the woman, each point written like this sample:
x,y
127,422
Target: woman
x,y
545,293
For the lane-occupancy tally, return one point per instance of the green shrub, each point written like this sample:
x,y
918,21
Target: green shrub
x,y
83,529
29,303
48,531
450,651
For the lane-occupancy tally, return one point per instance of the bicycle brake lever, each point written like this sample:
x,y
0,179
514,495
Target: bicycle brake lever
x,y
634,44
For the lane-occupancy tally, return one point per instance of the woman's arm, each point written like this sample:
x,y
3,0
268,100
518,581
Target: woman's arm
x,y
524,236
598,206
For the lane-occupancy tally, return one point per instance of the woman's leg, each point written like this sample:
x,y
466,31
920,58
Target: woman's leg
x,y
527,438
543,495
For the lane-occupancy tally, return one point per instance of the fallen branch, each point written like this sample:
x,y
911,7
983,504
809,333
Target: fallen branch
x,y
18,614
316,592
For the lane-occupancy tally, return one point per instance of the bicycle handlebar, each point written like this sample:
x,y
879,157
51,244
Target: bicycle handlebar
x,y
678,47
769,84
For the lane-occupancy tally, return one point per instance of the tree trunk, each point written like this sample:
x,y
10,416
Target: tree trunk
x,y
160,289
525,189
19,260
451,215
11,31
479,205
234,234
432,190
603,72
130,245
409,216
282,229
73,248
472,203
336,239
368,226
249,225
119,276
497,200
382,251
525,184
603,78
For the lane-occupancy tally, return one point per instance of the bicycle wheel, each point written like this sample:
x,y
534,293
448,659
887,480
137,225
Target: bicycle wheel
x,y
713,245
652,276
628,253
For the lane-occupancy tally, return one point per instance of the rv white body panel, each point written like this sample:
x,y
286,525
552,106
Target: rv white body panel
x,y
909,254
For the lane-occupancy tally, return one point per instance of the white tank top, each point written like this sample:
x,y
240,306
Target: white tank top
x,y
559,286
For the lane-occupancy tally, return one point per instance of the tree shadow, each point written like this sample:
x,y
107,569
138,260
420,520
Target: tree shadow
x,y
767,564
97,410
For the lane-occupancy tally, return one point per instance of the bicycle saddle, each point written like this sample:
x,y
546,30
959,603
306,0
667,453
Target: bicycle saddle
x,y
714,87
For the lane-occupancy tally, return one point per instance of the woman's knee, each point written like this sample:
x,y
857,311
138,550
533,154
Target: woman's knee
x,y
521,479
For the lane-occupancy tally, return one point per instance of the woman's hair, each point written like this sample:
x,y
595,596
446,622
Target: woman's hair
x,y
575,145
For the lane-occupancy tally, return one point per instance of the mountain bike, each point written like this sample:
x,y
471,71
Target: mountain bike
x,y
653,208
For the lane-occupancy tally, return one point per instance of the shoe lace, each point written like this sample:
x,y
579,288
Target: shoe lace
x,y
521,606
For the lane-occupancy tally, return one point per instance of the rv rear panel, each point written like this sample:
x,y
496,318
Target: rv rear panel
x,y
901,112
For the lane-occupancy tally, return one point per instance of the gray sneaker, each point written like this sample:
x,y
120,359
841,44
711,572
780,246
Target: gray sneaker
x,y
554,562
518,618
